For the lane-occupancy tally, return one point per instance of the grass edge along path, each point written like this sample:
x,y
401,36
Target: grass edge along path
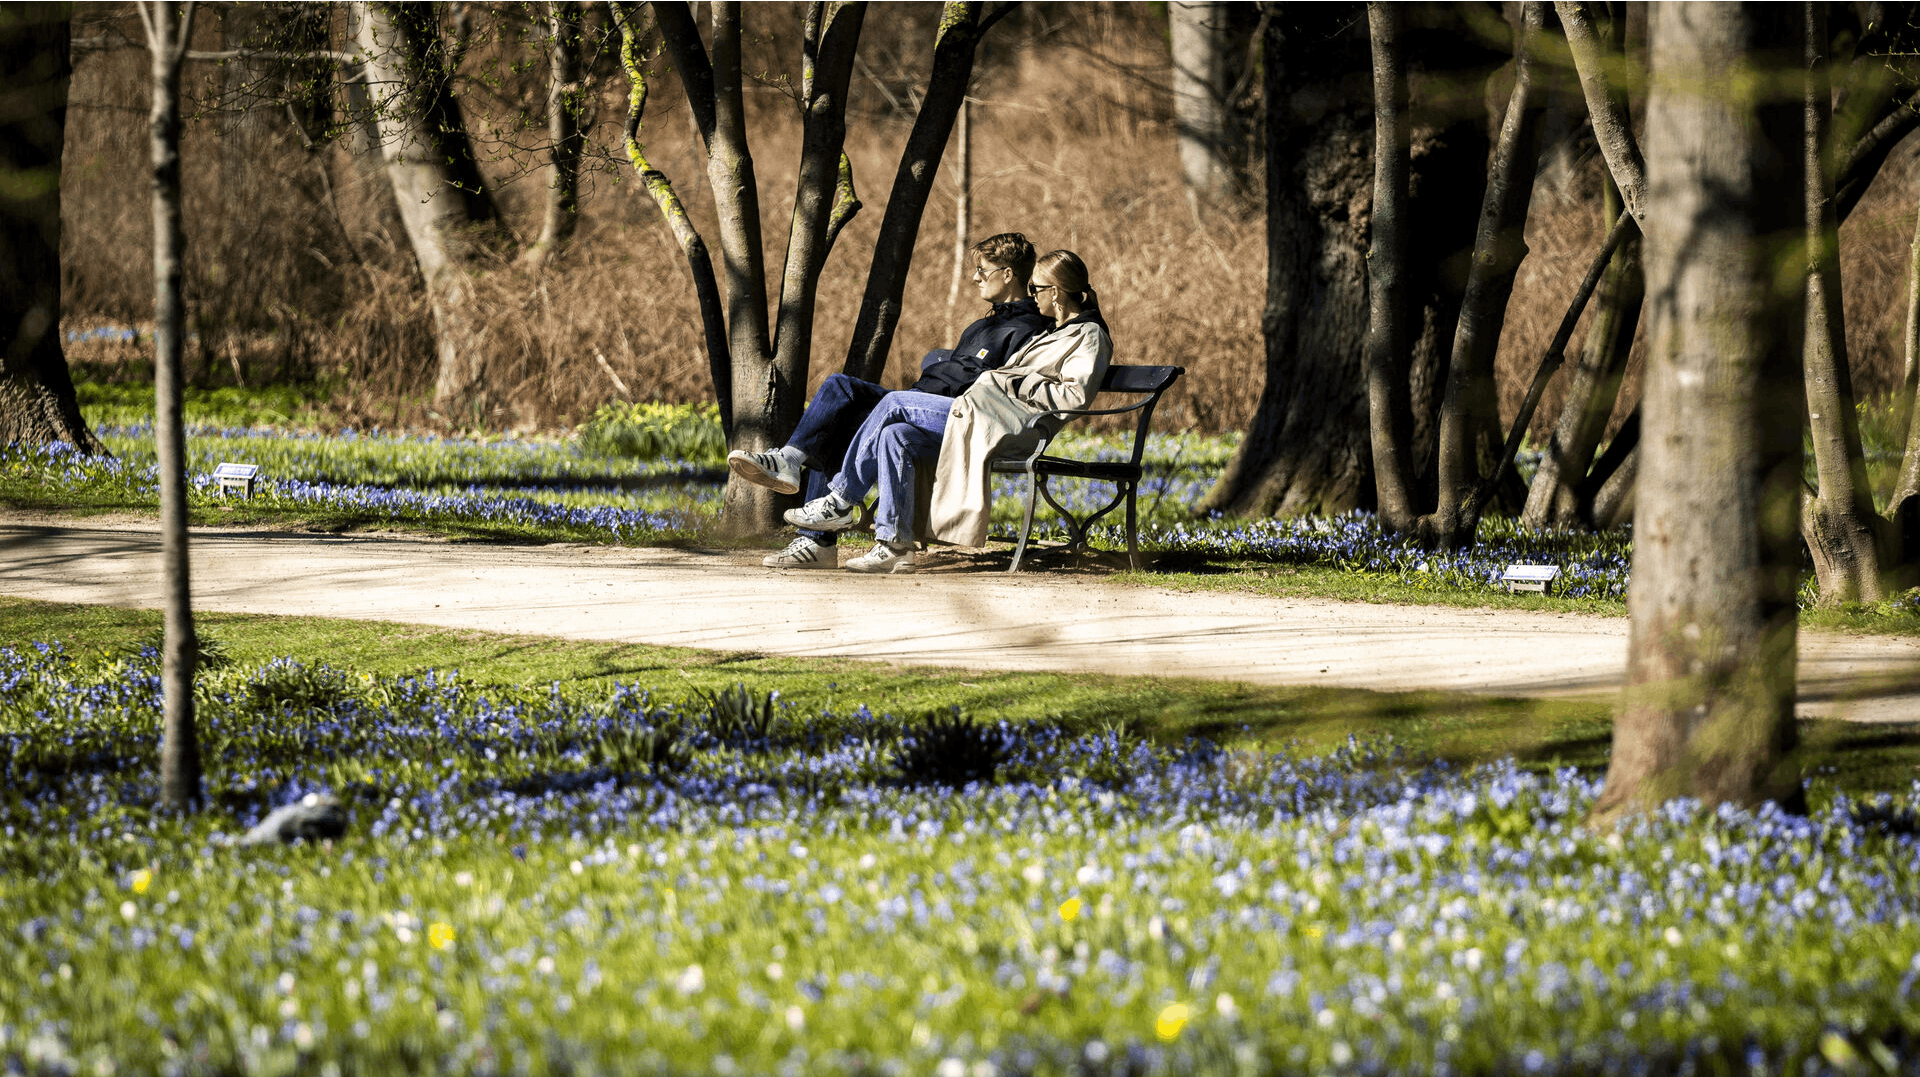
x,y
1460,729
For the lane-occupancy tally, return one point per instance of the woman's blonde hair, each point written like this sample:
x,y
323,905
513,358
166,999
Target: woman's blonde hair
x,y
1070,274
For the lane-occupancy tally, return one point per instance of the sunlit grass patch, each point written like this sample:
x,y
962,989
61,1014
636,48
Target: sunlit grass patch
x,y
520,890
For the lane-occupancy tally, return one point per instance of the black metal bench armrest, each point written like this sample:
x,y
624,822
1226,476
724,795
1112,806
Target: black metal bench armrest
x,y
1075,413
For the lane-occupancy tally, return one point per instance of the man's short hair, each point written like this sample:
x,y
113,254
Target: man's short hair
x,y
1009,249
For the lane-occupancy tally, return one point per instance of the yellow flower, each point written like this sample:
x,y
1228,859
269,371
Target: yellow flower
x,y
1070,909
1314,932
1171,1020
440,936
142,879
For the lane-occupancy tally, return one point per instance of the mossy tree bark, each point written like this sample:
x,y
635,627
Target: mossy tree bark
x,y
761,364
36,390
1708,711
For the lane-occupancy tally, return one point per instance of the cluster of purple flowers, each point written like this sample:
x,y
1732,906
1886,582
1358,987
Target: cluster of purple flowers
x,y
1347,912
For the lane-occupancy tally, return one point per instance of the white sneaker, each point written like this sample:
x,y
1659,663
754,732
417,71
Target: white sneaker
x,y
883,558
803,552
824,514
768,469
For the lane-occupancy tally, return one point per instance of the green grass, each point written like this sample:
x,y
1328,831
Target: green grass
x,y
520,892
1463,730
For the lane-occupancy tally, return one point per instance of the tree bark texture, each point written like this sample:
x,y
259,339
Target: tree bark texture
x,y
1307,448
1838,522
169,28
1553,500
1500,245
36,390
1903,505
1708,711
834,35
1389,319
566,106
1208,40
961,28
690,60
1603,82
435,176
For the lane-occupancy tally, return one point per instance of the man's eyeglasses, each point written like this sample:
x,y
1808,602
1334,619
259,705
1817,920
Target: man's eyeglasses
x,y
980,271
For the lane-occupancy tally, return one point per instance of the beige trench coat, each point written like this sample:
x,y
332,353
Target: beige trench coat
x,y
1061,369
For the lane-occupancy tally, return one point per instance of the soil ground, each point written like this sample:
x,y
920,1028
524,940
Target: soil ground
x,y
957,612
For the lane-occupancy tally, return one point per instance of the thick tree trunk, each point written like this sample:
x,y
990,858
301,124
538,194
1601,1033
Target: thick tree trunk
x,y
36,391
169,29
1499,248
1389,319
1709,707
953,51
1208,40
566,102
436,179
1838,523
1307,448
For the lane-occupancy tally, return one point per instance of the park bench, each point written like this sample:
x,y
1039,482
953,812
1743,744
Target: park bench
x,y
1148,383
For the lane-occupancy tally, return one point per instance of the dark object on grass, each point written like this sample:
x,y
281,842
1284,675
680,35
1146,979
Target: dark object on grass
x,y
738,717
949,750
628,749
311,818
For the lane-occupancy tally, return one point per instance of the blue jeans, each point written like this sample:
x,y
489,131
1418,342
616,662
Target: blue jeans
x,y
825,431
905,427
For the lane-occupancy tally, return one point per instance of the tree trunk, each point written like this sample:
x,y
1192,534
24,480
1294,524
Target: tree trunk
x,y
1838,523
1553,500
1202,39
1499,248
1708,711
1389,321
36,390
1903,505
677,28
1606,105
1307,448
962,215
960,31
169,29
833,36
436,179
566,103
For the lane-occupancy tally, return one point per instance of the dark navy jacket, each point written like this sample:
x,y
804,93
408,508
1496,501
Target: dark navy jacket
x,y
985,345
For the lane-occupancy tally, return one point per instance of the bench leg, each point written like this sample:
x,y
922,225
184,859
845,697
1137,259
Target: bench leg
x,y
1026,528
1133,529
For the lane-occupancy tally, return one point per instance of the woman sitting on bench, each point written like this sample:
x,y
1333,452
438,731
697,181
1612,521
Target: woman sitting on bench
x,y
1058,370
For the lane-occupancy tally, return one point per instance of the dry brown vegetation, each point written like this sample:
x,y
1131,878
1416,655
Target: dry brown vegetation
x,y
297,266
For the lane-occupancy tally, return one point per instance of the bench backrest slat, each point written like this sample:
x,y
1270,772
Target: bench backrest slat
x,y
1140,380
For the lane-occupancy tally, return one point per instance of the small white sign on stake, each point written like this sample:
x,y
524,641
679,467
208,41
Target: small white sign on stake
x,y
236,477
1530,577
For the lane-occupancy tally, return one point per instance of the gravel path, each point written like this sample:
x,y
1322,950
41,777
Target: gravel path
x,y
959,617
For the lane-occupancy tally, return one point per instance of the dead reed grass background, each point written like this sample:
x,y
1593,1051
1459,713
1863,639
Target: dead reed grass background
x,y
298,268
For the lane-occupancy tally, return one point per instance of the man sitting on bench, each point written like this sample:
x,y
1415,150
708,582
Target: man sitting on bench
x,y
1002,268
